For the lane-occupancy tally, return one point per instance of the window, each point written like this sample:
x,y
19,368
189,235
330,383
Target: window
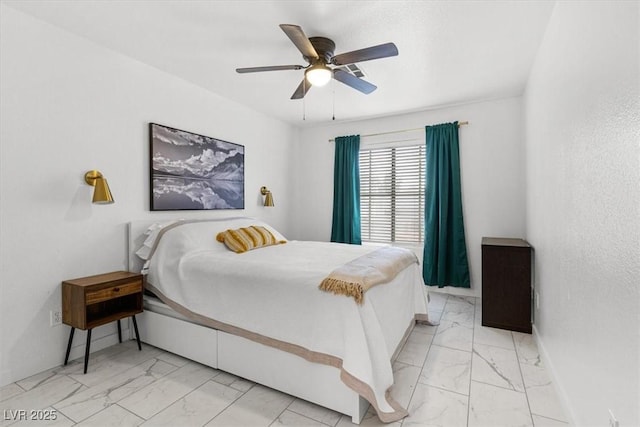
x,y
392,194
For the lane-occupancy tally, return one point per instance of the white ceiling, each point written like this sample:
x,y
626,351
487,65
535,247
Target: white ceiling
x,y
449,51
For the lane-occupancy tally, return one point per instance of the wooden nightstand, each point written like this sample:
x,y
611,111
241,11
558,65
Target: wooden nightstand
x,y
93,301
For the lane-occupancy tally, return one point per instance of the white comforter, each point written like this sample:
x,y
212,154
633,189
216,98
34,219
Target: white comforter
x,y
273,291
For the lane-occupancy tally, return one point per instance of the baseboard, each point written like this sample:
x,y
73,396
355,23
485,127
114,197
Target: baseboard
x,y
451,290
560,392
77,351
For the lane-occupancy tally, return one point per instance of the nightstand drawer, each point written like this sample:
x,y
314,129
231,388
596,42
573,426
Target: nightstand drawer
x,y
113,292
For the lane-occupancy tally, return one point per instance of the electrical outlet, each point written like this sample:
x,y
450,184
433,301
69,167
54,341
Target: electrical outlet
x,y
537,300
613,422
55,318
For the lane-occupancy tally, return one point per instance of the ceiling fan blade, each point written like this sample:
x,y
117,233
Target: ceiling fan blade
x,y
354,82
269,68
299,38
301,90
366,54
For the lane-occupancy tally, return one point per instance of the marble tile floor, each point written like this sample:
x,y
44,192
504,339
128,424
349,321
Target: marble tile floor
x,y
456,374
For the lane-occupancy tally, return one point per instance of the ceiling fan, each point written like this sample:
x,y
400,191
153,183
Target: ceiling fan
x,y
318,52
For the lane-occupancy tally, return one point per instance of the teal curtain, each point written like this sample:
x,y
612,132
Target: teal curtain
x,y
346,191
445,251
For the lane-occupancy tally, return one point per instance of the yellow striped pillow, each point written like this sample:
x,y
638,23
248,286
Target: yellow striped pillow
x,y
247,238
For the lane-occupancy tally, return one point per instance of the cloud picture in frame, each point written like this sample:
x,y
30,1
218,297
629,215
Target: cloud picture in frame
x,y
194,172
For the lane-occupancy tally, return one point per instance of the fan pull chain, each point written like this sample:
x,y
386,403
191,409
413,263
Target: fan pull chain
x,y
333,90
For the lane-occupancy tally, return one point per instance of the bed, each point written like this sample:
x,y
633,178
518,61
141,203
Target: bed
x,y
260,314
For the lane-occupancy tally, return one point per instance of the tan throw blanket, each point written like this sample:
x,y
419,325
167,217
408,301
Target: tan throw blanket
x,y
361,274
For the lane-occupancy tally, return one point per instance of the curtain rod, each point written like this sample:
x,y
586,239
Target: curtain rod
x,y
399,131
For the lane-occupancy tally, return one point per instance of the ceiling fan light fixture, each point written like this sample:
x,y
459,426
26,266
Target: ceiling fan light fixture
x,y
318,75
318,53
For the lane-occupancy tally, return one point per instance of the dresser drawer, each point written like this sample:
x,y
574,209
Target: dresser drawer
x,y
115,291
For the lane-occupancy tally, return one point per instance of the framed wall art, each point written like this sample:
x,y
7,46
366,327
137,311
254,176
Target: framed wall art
x,y
194,172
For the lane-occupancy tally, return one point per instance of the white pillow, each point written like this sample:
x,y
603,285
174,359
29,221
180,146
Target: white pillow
x,y
152,234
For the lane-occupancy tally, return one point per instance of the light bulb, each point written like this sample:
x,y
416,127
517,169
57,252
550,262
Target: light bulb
x,y
318,75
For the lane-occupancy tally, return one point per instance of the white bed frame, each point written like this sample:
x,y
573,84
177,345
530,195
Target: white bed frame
x,y
265,365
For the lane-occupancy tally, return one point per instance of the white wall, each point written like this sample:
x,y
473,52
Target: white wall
x,y
68,106
492,168
583,199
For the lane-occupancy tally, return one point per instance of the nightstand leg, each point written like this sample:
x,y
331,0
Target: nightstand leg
x,y
119,332
66,357
86,351
135,327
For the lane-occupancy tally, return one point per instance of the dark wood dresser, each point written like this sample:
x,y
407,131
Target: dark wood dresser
x,y
507,283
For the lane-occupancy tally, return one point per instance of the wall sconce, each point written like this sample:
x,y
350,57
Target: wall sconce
x,y
101,194
268,199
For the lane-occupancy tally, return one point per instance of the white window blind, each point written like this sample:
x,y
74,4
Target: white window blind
x,y
392,189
